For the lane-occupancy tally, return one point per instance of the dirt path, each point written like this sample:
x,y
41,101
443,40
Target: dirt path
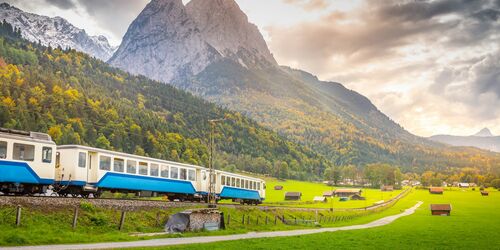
x,y
208,239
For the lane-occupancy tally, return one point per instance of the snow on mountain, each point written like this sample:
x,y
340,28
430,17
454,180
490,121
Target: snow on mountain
x,y
55,32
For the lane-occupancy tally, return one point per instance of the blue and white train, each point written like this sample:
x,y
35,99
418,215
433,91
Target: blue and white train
x,y
31,163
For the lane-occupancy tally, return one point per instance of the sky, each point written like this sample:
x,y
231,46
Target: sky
x,y
433,66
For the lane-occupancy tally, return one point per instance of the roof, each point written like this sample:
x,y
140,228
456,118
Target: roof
x,y
441,207
319,198
348,190
293,194
436,189
463,184
25,135
328,193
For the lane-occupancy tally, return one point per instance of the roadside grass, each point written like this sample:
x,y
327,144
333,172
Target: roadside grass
x,y
47,225
474,224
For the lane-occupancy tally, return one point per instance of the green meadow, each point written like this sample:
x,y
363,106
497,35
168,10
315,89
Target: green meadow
x,y
474,224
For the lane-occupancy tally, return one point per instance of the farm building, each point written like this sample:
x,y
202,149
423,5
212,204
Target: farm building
x,y
347,192
278,187
328,194
293,196
485,193
357,197
463,185
436,190
441,209
386,188
320,199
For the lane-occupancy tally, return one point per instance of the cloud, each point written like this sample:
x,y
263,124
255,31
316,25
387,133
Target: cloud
x,y
436,62
63,4
309,5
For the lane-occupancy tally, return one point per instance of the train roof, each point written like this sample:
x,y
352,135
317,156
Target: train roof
x,y
100,150
26,136
238,175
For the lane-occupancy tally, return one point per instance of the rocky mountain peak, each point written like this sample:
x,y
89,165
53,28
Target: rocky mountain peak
x,y
485,132
56,32
226,27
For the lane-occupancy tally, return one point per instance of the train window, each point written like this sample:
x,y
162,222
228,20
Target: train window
x,y
23,152
154,171
164,171
131,167
254,185
223,180
258,185
105,163
82,159
46,154
174,173
246,184
118,165
3,149
183,174
191,175
233,182
143,168
237,182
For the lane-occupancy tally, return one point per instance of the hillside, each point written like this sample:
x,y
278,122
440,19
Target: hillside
x,y
78,99
210,49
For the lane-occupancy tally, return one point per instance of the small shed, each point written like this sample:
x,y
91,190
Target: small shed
x,y
345,192
320,199
441,209
436,190
357,197
386,188
278,187
328,194
293,196
485,193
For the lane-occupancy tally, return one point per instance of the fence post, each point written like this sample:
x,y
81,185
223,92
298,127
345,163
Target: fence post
x,y
122,220
275,217
243,220
228,219
266,219
257,222
75,218
248,219
18,216
295,220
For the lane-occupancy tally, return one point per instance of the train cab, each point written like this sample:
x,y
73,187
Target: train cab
x,y
27,162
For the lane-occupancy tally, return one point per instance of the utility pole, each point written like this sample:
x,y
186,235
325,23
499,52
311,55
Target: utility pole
x,y
212,176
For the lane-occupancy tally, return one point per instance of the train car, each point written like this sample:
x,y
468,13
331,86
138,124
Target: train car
x,y
27,164
246,190
85,170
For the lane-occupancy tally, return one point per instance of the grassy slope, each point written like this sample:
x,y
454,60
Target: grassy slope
x,y
474,224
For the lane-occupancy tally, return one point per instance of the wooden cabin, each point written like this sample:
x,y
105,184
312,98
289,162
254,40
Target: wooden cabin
x,y
347,192
436,190
441,209
293,196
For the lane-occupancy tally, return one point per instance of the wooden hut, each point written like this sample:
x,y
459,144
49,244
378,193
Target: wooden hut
x,y
386,188
345,192
485,193
357,197
436,190
278,187
441,209
293,196
328,194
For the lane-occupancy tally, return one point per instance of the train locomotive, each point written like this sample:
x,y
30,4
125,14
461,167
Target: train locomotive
x,y
31,163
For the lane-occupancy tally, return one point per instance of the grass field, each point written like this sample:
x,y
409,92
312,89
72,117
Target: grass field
x,y
309,190
474,224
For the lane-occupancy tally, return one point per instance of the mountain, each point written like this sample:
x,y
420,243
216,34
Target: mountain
x,y
484,139
55,32
211,50
82,100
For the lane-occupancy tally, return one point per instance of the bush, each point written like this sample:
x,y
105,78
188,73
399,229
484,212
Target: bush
x,y
98,219
496,183
87,206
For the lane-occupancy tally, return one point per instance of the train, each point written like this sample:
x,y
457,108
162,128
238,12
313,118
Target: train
x,y
31,163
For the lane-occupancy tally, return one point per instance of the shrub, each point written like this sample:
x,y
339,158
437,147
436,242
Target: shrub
x,y
87,206
496,183
98,219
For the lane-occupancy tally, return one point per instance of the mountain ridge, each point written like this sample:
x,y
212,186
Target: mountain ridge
x,y
55,31
483,139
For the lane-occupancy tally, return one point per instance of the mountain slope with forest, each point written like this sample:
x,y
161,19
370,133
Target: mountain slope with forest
x,y
236,70
81,100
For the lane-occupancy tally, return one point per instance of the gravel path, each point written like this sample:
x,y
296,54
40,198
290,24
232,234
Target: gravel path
x,y
208,239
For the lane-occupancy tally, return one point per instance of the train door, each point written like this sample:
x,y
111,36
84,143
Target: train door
x,y
92,168
204,181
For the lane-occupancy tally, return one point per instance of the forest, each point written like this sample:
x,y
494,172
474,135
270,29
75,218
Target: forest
x,y
77,99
